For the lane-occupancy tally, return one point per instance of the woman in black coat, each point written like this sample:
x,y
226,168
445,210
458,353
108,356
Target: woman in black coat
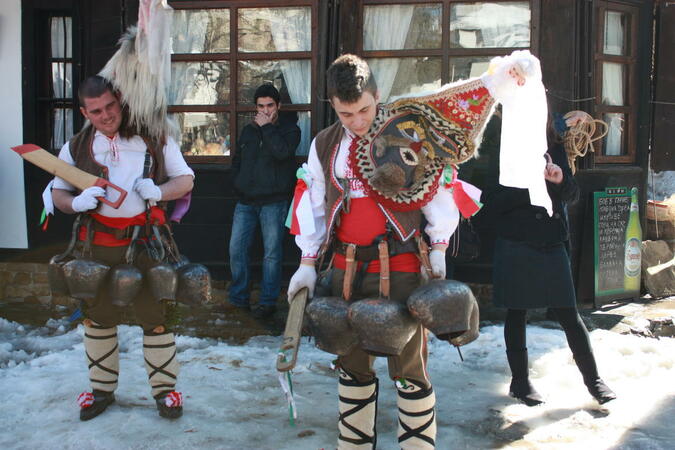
x,y
532,270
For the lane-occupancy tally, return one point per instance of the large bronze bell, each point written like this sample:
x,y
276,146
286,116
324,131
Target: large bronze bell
x,y
57,280
55,276
126,282
84,276
447,308
384,326
328,323
163,281
194,284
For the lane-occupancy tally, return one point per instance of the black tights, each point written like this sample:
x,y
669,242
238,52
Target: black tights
x,y
571,323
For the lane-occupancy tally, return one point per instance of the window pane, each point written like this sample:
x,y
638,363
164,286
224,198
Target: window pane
x,y
613,144
395,27
63,126
301,118
400,76
293,79
479,25
616,30
200,31
61,36
62,76
275,29
204,134
613,83
200,83
469,67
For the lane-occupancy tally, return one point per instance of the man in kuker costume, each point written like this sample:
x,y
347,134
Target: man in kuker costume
x,y
349,215
370,178
108,148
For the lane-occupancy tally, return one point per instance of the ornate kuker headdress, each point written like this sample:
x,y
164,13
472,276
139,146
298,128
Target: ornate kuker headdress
x,y
412,139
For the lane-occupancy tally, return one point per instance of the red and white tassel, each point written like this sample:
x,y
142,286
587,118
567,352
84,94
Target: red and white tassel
x,y
173,399
85,399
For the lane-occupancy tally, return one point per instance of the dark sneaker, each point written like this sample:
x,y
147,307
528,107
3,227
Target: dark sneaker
x,y
264,311
94,403
239,306
170,405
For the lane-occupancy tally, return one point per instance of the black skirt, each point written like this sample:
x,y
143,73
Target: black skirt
x,y
528,277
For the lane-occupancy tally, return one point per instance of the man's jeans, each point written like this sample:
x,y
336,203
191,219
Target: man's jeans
x,y
271,217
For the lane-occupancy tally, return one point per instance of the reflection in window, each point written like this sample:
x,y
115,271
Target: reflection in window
x,y
395,27
62,79
613,144
199,83
613,83
468,67
63,126
616,24
204,134
481,25
200,31
400,76
275,29
291,77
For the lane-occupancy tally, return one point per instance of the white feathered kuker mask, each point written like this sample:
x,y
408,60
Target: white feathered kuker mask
x,y
401,158
140,72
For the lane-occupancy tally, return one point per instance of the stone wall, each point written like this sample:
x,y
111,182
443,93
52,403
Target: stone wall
x,y
27,282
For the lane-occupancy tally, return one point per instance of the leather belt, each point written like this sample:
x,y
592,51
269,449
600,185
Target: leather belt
x,y
119,233
371,252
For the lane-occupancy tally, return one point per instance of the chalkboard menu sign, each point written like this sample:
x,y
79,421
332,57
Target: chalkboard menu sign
x,y
612,209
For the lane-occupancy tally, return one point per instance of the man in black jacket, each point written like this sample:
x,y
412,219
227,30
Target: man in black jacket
x,y
263,170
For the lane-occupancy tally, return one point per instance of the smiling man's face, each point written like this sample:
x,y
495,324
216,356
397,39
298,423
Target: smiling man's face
x,y
104,113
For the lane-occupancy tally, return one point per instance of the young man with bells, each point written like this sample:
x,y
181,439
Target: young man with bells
x,y
370,178
350,215
107,147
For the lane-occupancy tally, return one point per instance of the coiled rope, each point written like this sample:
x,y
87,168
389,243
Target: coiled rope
x,y
579,138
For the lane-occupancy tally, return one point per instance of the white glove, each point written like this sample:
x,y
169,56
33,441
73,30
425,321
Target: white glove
x,y
437,260
305,276
87,199
148,190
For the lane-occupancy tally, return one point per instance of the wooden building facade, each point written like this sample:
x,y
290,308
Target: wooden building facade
x,y
597,55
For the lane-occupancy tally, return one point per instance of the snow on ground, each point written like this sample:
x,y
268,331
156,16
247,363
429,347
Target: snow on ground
x,y
233,399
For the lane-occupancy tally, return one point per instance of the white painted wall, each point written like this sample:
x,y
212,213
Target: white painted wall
x,y
13,230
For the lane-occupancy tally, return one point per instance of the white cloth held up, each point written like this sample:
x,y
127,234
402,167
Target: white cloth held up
x,y
524,116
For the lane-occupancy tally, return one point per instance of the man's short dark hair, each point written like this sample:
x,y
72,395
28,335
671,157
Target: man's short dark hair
x,y
348,78
266,90
93,87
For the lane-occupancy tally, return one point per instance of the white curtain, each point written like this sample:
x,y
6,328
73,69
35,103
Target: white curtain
x,y
614,33
612,84
291,32
386,28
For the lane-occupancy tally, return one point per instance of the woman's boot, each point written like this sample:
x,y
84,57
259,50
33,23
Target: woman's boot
x,y
521,388
589,371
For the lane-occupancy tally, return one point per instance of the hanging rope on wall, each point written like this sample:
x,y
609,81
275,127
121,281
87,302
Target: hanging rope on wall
x,y
579,138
